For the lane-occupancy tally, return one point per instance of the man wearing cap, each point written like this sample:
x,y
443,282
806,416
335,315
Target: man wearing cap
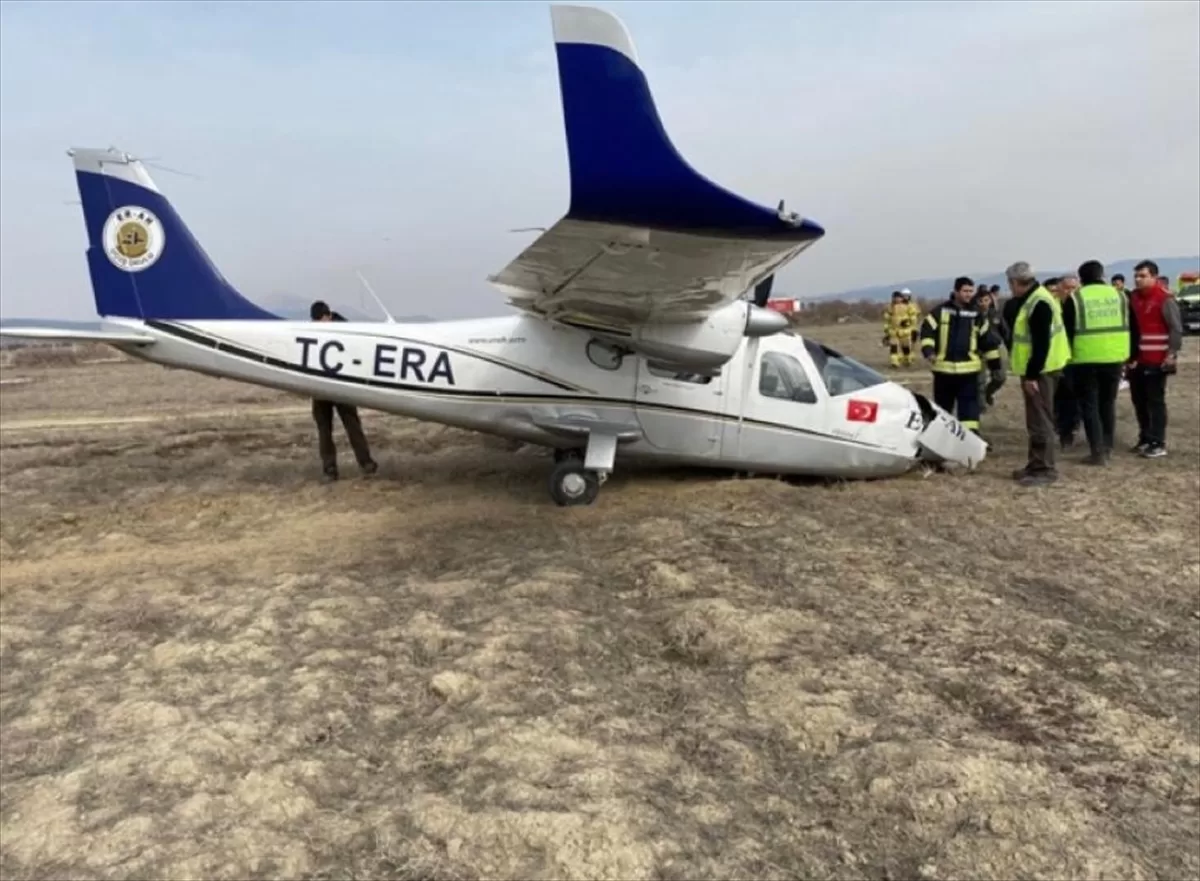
x,y
323,415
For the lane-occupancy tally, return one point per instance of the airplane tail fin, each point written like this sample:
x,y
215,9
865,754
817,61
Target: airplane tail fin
x,y
143,261
624,168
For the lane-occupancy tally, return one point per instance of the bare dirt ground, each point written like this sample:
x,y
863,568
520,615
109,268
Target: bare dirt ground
x,y
214,667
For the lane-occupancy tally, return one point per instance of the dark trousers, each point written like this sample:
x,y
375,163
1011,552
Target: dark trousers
x,y
323,414
1067,414
1148,389
1096,390
958,395
1039,423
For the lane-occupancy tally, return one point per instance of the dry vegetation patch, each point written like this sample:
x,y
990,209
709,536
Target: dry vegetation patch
x,y
211,666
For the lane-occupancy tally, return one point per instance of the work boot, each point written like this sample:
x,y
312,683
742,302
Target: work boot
x,y
1039,478
369,468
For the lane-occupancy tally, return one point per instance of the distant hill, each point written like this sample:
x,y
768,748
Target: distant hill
x,y
935,288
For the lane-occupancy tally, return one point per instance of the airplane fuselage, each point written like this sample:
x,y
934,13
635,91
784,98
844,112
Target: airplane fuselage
x,y
526,378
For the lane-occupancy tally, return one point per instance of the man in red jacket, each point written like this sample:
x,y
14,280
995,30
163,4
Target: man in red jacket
x,y
1155,338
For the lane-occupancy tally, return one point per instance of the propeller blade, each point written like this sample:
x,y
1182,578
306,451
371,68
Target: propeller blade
x,y
762,292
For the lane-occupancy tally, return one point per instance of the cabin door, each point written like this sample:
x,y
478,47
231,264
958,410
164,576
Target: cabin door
x,y
681,412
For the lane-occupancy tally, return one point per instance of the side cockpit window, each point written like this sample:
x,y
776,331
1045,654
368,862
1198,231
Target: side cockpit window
x,y
783,377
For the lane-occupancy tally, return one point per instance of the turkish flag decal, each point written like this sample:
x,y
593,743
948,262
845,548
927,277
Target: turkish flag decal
x,y
861,411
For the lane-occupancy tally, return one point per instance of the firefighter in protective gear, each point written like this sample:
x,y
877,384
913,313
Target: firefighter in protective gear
x,y
956,340
898,331
914,316
991,382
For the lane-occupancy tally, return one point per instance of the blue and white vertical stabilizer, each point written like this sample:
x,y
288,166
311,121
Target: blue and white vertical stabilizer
x,y
624,168
143,261
646,238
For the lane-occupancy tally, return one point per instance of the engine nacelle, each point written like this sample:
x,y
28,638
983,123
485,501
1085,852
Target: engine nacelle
x,y
711,342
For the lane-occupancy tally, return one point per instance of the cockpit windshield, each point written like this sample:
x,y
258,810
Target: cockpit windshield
x,y
841,374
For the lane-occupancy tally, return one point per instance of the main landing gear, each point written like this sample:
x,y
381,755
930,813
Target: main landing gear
x,y
579,474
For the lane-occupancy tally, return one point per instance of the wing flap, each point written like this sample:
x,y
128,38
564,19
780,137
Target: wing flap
x,y
625,275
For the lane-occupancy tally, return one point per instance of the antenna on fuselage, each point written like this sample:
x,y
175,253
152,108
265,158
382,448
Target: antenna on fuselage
x,y
366,284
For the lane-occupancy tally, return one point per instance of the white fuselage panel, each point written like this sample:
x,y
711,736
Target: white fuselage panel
x,y
527,378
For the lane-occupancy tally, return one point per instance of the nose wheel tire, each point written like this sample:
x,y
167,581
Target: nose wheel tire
x,y
572,484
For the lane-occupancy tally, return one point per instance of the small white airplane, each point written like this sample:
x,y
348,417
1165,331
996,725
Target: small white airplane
x,y
640,323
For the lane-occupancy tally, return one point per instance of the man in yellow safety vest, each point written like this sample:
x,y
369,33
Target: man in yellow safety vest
x,y
1040,351
1096,318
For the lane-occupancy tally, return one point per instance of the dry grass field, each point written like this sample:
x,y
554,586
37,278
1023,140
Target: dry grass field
x,y
215,667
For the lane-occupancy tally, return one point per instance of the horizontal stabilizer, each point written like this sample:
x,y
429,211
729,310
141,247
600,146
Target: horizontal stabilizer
x,y
68,335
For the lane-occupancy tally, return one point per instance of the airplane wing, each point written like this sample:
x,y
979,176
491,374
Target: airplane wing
x,y
77,336
646,237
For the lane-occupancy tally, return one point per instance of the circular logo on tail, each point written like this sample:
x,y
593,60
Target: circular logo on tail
x,y
133,238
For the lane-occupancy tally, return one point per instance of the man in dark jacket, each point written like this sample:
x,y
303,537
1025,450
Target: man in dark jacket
x,y
323,415
958,342
1096,318
1068,409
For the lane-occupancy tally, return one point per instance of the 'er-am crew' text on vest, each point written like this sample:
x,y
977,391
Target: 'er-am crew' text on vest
x,y
1101,325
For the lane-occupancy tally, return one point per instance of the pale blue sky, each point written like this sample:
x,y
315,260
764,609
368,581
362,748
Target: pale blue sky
x,y
929,138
